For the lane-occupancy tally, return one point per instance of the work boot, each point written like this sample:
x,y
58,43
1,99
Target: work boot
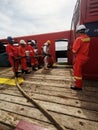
x,y
46,68
39,67
23,71
34,69
17,74
75,88
27,72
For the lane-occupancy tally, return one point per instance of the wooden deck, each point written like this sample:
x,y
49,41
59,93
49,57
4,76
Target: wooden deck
x,y
75,110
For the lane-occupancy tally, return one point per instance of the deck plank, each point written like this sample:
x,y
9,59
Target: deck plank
x,y
59,108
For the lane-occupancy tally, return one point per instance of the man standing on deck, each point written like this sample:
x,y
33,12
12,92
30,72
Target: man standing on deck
x,y
33,61
12,52
46,53
80,50
23,53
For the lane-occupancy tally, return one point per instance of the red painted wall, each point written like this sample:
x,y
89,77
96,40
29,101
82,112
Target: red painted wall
x,y
91,68
89,11
89,14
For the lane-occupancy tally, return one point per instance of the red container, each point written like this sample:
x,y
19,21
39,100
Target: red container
x,y
23,125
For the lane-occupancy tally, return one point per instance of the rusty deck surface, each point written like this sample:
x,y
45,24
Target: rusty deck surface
x,y
75,110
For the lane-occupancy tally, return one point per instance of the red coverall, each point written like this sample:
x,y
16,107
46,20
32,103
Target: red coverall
x,y
12,52
81,49
33,60
22,53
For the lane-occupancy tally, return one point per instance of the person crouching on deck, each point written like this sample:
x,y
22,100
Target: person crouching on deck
x,y
80,50
22,54
12,52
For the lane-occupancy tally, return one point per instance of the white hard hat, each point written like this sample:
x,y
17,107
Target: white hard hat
x,y
22,42
33,41
80,27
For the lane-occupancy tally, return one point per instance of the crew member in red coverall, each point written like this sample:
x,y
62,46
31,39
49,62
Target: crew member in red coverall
x,y
12,52
80,50
22,55
33,60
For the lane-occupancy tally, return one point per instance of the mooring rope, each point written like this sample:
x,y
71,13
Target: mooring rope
x,y
41,108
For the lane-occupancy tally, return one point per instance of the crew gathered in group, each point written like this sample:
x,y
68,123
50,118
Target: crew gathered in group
x,y
25,57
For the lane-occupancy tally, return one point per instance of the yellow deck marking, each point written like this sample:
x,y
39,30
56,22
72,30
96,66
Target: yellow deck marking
x,y
9,81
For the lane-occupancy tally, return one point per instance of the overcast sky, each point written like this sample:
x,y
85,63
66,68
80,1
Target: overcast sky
x,y
29,17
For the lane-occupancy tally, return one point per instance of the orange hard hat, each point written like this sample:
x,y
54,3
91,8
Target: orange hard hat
x,y
48,41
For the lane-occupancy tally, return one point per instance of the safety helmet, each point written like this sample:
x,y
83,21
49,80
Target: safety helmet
x,y
80,27
22,42
33,41
10,39
49,42
29,41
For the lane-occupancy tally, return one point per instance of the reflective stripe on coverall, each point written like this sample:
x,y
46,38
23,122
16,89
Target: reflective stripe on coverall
x,y
81,49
